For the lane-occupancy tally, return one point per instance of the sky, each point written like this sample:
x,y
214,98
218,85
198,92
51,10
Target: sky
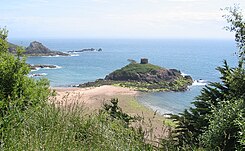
x,y
139,19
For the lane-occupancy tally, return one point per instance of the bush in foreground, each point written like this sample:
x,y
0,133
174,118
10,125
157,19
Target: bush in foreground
x,y
18,92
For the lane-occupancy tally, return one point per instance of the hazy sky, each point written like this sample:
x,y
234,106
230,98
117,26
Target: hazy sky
x,y
115,19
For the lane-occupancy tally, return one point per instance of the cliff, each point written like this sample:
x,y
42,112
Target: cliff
x,y
38,49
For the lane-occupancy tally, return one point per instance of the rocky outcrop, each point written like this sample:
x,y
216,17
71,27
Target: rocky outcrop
x,y
37,49
151,76
154,75
35,67
145,77
85,50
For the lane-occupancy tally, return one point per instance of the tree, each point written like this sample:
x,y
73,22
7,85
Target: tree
x,y
116,112
237,25
214,122
18,92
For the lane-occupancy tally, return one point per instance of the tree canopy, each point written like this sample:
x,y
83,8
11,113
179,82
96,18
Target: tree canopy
x,y
216,122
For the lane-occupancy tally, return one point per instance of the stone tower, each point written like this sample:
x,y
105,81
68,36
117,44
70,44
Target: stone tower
x,y
144,61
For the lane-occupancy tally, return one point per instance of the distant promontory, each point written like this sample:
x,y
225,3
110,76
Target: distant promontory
x,y
144,76
37,49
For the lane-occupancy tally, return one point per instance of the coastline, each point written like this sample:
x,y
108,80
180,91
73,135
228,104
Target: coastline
x,y
93,98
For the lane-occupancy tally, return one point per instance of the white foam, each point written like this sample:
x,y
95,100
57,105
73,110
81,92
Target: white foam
x,y
56,56
52,56
36,69
74,55
47,68
184,74
199,83
158,109
56,67
37,75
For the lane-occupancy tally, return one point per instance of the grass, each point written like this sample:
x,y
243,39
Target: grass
x,y
71,127
129,79
134,68
169,122
179,84
56,128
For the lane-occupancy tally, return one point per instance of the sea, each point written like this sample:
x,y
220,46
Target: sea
x,y
198,58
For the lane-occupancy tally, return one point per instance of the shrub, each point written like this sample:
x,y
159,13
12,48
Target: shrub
x,y
18,92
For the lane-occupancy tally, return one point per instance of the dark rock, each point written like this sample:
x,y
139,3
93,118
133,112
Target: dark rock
x,y
34,67
85,50
145,77
37,75
189,79
152,76
36,49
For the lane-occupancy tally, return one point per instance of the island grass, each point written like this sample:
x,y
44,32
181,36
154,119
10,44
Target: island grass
x,y
176,85
179,84
134,68
129,79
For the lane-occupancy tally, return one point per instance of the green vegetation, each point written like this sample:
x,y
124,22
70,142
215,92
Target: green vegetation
x,y
116,112
29,121
134,68
53,128
17,91
216,122
144,77
177,85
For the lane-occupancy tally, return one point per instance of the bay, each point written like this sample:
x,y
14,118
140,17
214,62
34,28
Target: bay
x,y
195,57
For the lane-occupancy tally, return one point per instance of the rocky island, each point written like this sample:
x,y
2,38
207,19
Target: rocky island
x,y
42,66
85,50
145,77
37,49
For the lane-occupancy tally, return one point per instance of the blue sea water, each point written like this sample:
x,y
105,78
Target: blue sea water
x,y
198,58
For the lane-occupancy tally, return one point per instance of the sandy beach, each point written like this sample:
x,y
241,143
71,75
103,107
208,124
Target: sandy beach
x,y
93,98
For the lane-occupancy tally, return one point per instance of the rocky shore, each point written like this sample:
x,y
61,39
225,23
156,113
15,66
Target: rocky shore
x,y
35,67
145,77
85,50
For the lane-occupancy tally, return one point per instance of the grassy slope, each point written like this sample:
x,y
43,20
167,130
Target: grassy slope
x,y
134,68
52,128
12,45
